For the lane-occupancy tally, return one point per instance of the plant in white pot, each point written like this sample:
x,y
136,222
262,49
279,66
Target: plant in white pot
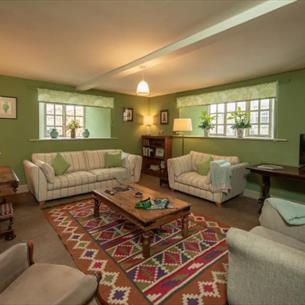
x,y
241,121
206,122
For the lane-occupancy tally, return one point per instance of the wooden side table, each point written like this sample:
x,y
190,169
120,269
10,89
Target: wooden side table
x,y
283,172
8,185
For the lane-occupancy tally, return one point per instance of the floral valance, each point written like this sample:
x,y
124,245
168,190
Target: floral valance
x,y
63,97
267,90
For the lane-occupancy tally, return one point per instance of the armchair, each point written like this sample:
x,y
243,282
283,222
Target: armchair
x,y
23,282
267,264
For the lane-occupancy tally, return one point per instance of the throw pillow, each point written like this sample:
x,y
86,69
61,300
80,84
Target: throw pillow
x,y
60,164
48,170
203,167
113,159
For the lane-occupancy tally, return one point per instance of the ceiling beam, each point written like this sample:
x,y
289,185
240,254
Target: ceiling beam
x,y
243,17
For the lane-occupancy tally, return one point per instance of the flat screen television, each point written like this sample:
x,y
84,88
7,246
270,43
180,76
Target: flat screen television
x,y
302,150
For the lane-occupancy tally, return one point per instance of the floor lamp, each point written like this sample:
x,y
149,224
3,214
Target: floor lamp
x,y
181,126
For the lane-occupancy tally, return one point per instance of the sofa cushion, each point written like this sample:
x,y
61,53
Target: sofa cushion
x,y
76,159
199,157
72,179
47,169
278,237
103,174
60,165
113,159
49,284
195,180
96,158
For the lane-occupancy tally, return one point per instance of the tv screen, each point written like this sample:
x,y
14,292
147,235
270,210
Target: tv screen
x,y
302,149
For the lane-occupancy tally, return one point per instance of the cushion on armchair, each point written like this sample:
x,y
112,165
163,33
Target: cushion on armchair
x,y
48,170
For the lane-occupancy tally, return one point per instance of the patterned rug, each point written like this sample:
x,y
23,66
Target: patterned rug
x,y
190,271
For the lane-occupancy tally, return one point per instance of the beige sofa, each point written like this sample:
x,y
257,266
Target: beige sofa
x,y
24,283
267,264
183,176
86,172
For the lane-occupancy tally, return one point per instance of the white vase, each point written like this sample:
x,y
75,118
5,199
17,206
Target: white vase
x,y
240,132
206,132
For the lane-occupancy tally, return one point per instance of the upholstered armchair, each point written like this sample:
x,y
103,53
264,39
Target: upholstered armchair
x,y
267,264
24,283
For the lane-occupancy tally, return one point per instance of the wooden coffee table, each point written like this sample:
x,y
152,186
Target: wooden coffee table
x,y
147,220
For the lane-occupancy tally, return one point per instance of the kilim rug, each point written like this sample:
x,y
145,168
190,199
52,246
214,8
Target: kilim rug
x,y
190,271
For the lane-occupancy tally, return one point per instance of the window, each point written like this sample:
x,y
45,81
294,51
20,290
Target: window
x,y
59,116
261,118
54,115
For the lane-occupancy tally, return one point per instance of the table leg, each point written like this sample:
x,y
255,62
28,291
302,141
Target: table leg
x,y
146,239
184,225
264,192
97,204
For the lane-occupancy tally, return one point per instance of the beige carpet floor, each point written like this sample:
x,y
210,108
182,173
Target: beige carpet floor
x,y
30,223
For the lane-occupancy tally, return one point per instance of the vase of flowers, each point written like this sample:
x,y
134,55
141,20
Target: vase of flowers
x,y
206,122
241,121
72,126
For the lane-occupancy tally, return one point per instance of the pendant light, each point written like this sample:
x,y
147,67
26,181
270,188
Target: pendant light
x,y
143,87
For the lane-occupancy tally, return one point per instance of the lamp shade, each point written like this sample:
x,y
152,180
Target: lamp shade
x,y
148,120
182,125
143,88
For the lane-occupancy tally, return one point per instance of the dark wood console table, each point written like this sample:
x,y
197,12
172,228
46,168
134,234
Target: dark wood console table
x,y
286,172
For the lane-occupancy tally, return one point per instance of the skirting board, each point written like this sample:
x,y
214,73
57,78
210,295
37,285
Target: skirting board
x,y
251,194
23,188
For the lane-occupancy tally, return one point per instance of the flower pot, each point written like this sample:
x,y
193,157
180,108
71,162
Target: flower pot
x,y
240,132
54,133
206,132
73,133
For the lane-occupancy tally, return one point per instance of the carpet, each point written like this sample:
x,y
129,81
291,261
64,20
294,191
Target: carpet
x,y
190,271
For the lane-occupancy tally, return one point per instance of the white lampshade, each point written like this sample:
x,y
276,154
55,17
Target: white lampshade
x,y
148,120
182,125
143,88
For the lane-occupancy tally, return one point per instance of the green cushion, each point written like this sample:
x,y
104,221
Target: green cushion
x,y
203,167
60,165
113,159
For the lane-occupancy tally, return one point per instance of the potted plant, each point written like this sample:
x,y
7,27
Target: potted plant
x,y
72,126
241,121
206,122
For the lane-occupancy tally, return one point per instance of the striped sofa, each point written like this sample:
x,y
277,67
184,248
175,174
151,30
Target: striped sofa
x,y
86,172
183,176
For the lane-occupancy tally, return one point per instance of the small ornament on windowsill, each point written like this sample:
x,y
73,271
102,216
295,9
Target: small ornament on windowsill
x,y
86,133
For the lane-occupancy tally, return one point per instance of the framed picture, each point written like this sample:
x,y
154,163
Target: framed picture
x,y
164,117
127,114
159,152
8,107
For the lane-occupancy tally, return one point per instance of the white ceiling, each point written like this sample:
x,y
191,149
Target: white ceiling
x,y
71,42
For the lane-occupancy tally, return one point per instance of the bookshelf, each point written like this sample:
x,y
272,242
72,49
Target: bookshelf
x,y
155,152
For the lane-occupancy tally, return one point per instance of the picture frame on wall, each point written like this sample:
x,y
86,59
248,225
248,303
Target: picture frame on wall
x,y
127,114
164,117
8,107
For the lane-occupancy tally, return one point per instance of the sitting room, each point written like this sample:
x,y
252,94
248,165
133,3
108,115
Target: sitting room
x,y
152,152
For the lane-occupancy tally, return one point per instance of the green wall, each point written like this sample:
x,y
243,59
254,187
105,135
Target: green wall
x,y
291,122
98,122
15,135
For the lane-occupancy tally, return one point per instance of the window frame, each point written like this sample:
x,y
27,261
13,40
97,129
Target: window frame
x,y
64,118
226,125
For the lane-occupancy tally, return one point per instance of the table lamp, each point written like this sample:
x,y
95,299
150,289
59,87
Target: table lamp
x,y
181,126
148,121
